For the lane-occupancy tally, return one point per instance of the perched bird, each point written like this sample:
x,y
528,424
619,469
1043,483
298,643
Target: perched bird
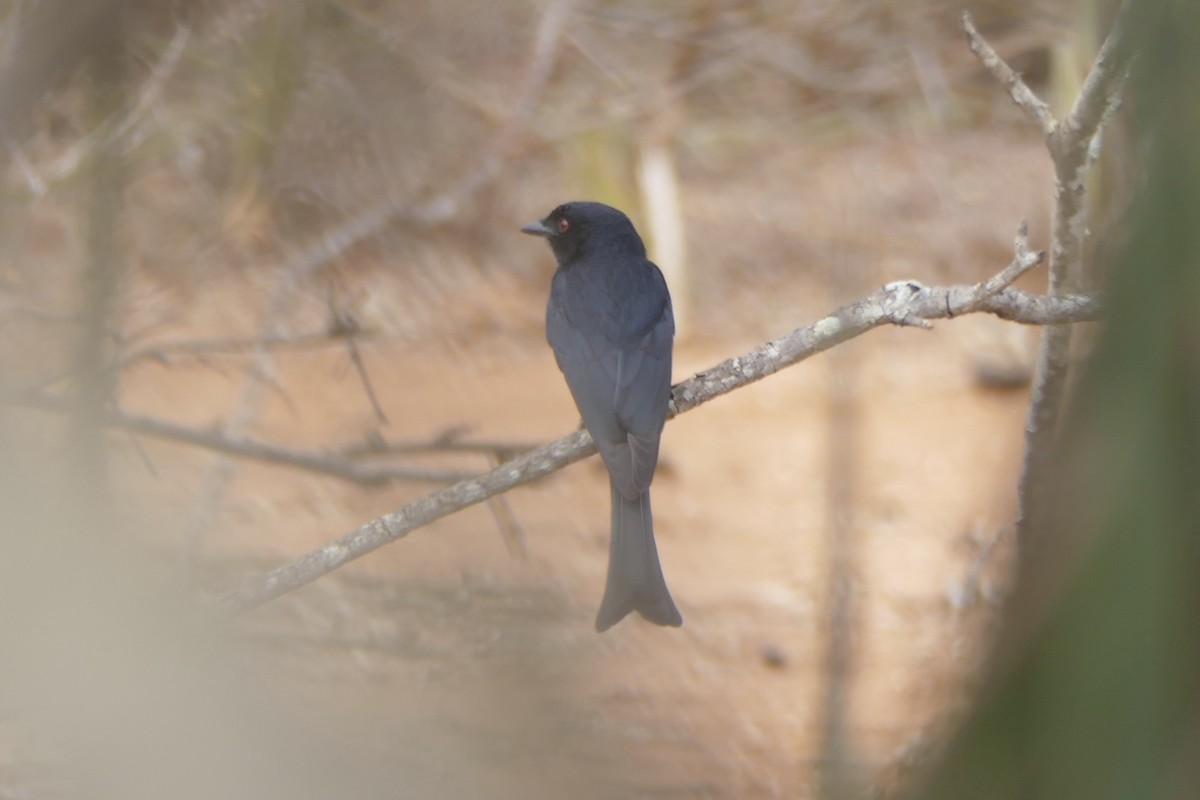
x,y
610,325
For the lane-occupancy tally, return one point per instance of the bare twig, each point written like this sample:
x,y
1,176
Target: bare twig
x,y
447,441
361,368
511,530
1024,260
111,129
1033,106
1104,81
166,352
1069,143
346,325
899,303
345,463
222,441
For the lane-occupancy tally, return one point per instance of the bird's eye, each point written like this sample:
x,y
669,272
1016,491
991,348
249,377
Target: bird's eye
x,y
563,225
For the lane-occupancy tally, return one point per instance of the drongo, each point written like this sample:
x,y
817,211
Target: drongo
x,y
610,325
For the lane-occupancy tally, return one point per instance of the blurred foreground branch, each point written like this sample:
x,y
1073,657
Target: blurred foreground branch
x,y
1069,142
905,303
93,385
1094,684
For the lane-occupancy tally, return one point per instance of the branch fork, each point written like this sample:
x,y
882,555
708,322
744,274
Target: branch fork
x,y
1071,143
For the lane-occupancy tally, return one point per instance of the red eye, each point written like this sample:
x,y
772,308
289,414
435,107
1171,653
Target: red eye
x,y
563,225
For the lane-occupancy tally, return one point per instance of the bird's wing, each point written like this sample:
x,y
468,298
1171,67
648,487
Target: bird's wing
x,y
590,375
641,394
621,387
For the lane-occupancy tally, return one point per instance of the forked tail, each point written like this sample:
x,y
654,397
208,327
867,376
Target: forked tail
x,y
635,578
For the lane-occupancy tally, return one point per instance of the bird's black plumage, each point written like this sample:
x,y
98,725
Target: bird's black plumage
x,y
610,325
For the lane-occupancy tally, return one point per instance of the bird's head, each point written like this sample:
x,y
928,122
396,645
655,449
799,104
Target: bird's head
x,y
580,227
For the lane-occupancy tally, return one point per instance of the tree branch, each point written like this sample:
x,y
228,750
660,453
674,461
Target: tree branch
x,y
449,440
110,130
202,349
906,303
1034,107
1069,144
1104,81
334,464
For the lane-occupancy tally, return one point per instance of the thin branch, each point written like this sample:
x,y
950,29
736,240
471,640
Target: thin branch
x,y
222,441
341,463
112,129
899,303
1070,146
1024,260
166,352
447,441
373,535
1104,81
1033,106
346,325
204,349
364,377
511,530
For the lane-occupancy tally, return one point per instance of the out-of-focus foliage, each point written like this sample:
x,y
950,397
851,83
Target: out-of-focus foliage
x,y
284,116
1097,689
251,129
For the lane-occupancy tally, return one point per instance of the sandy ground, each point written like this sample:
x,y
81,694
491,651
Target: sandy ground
x,y
444,665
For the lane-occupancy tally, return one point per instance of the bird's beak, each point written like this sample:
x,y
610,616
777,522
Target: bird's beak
x,y
538,228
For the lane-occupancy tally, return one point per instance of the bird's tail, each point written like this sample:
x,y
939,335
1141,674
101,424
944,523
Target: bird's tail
x,y
635,578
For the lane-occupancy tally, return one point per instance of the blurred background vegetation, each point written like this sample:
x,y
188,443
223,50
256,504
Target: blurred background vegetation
x,y
195,190
248,130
